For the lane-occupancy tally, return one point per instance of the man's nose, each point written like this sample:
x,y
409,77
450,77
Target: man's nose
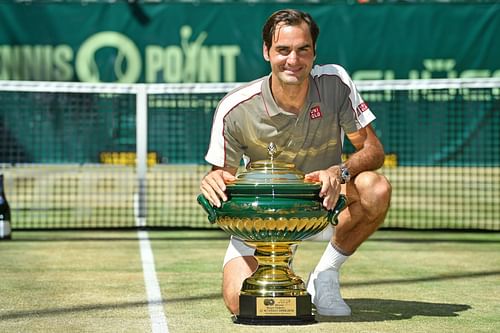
x,y
292,57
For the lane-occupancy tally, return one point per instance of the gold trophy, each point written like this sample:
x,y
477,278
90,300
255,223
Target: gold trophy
x,y
272,208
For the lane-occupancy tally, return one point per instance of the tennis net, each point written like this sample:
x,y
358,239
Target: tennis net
x,y
79,155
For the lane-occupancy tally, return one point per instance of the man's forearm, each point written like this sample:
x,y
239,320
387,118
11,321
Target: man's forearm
x,y
370,157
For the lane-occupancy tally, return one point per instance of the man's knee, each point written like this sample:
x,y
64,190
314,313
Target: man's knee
x,y
374,192
382,190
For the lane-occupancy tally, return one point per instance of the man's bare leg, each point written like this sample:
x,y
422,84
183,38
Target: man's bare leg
x,y
368,199
235,272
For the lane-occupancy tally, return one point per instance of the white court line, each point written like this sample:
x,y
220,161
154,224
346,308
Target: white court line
x,y
155,301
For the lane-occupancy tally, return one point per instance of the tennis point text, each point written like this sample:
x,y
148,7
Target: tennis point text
x,y
191,61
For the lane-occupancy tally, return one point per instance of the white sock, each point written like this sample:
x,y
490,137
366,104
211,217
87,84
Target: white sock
x,y
331,259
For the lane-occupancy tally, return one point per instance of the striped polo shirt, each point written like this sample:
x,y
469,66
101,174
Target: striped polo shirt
x,y
247,119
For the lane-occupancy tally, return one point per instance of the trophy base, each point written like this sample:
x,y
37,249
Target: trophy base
x,y
280,310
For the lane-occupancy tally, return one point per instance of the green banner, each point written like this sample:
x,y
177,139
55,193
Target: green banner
x,y
201,42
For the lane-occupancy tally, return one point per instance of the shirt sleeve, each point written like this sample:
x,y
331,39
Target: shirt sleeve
x,y
224,150
355,113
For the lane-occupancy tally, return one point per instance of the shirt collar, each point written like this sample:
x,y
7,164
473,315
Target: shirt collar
x,y
273,109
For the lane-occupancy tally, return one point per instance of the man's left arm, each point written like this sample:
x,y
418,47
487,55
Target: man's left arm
x,y
369,155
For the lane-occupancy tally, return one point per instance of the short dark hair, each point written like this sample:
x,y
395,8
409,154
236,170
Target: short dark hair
x,y
288,17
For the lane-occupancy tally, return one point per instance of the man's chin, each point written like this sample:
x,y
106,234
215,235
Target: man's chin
x,y
292,80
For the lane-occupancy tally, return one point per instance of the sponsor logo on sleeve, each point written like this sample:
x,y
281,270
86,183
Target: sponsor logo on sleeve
x,y
361,108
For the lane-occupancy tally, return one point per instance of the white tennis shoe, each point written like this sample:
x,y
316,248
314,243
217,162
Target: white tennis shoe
x,y
324,288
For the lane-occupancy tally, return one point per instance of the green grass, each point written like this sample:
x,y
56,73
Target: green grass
x,y
71,282
92,282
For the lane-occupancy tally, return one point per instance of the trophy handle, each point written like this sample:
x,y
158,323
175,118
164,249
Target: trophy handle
x,y
212,214
335,211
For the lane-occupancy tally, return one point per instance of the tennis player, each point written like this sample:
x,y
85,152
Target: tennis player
x,y
306,110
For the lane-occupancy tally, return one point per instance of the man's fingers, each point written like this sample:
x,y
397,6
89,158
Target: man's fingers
x,y
326,184
218,184
330,190
210,192
330,201
312,176
330,186
333,197
211,197
227,176
213,186
217,187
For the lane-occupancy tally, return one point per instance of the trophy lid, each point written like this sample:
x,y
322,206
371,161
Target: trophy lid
x,y
267,172
262,176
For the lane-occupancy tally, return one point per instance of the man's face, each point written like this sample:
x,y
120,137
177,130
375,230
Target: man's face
x,y
292,54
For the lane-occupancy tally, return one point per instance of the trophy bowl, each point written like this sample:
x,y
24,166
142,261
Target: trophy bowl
x,y
271,207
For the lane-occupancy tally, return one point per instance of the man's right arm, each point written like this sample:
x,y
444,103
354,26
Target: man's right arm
x,y
213,185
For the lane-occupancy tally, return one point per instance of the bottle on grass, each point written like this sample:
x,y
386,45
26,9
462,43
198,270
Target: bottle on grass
x,y
5,223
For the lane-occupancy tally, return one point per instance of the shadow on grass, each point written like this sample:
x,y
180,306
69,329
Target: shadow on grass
x,y
440,277
371,309
493,240
363,309
100,307
114,239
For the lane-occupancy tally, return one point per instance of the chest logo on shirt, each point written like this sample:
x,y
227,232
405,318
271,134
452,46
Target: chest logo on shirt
x,y
315,112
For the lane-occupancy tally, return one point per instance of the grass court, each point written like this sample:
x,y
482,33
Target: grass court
x,y
93,281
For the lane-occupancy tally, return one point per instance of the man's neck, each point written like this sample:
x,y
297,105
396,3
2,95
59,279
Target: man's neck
x,y
290,98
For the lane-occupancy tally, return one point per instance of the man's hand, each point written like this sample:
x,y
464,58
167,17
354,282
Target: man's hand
x,y
330,185
213,186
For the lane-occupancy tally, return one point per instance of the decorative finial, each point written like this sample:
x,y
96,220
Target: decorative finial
x,y
271,149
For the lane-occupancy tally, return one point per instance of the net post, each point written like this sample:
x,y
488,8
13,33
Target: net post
x,y
141,154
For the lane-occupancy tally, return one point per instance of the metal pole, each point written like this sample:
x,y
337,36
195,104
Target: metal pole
x,y
141,154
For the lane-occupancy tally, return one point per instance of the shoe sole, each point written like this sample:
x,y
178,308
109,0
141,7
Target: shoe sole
x,y
331,314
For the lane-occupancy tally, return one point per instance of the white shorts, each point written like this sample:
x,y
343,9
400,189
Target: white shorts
x,y
238,248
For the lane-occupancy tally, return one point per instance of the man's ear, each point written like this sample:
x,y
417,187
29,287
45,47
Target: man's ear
x,y
265,51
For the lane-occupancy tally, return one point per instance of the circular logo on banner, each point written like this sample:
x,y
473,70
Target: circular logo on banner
x,y
127,59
